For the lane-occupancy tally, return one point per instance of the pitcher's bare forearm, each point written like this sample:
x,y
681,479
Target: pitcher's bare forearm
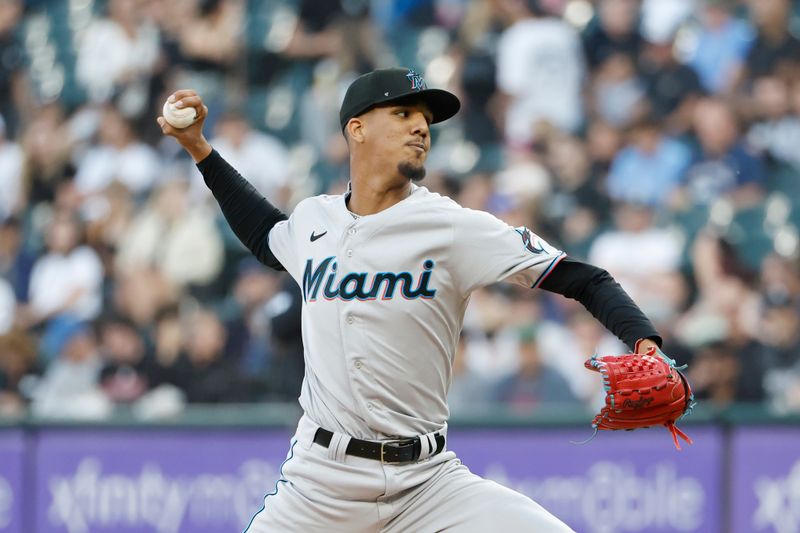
x,y
199,150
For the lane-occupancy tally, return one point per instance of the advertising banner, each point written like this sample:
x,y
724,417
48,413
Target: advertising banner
x,y
765,480
12,460
619,482
160,481
205,481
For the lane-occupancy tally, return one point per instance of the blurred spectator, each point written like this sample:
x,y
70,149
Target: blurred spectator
x,y
523,183
478,37
490,336
470,392
316,33
140,293
286,373
780,329
719,46
319,125
263,318
174,235
775,50
775,131
208,44
788,400
47,144
127,371
535,383
112,212
578,204
259,157
404,14
650,169
615,32
644,259
714,374
672,87
339,30
67,279
617,92
332,43
780,276
211,41
16,262
603,141
475,191
245,317
118,156
17,360
12,77
167,345
777,352
725,166
69,387
660,19
725,305
11,186
540,70
116,57
208,374
568,340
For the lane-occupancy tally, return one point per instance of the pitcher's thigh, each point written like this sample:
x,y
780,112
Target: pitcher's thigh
x,y
458,501
303,502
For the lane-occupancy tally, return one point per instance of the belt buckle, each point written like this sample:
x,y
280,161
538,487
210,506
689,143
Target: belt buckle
x,y
394,441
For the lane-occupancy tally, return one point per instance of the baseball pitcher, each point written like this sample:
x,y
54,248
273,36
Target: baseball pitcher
x,y
386,272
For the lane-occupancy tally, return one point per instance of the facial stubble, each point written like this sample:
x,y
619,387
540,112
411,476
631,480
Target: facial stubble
x,y
411,171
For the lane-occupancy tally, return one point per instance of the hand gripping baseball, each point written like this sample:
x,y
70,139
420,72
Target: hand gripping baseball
x,y
191,136
642,390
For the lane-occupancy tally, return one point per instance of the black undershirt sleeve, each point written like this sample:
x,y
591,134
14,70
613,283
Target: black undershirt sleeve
x,y
249,214
603,297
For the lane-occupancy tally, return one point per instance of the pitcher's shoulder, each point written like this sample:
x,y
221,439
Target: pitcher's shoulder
x,y
429,199
320,201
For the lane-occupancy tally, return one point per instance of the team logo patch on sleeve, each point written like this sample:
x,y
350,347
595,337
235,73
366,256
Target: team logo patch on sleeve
x,y
527,240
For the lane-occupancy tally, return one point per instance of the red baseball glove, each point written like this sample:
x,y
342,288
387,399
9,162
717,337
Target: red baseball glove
x,y
642,391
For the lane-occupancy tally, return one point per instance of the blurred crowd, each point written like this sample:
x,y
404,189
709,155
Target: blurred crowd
x,y
658,139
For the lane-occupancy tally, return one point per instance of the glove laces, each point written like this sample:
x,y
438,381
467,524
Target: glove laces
x,y
673,429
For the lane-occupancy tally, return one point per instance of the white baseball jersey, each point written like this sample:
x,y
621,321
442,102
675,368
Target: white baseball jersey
x,y
384,301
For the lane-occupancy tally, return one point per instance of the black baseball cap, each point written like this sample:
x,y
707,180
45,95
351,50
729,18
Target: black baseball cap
x,y
389,84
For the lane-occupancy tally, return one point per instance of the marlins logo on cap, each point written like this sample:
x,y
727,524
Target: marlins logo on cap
x,y
417,81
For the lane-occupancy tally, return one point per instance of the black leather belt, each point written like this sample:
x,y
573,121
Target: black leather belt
x,y
388,451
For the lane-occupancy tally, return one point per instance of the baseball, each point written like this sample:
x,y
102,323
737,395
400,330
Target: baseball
x,y
178,117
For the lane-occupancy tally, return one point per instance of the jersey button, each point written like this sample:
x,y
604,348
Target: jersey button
x,y
369,407
349,253
358,364
352,231
350,319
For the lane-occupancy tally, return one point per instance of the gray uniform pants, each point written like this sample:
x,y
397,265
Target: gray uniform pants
x,y
323,490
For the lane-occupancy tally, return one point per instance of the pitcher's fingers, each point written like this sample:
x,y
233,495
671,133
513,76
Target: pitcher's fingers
x,y
181,93
166,129
190,101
